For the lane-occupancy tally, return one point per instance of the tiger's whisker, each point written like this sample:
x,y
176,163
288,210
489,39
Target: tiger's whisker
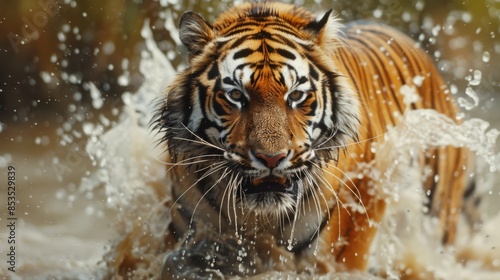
x,y
330,187
224,193
224,174
202,141
183,161
205,175
315,196
356,193
349,144
337,200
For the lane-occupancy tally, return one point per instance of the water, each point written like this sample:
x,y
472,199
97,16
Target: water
x,y
117,214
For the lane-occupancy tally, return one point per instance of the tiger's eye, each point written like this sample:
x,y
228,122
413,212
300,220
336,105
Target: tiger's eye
x,y
236,95
295,96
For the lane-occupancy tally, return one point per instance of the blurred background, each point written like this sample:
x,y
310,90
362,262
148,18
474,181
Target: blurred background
x,y
51,48
53,52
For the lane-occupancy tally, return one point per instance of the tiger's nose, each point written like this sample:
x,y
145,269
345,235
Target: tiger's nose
x,y
271,161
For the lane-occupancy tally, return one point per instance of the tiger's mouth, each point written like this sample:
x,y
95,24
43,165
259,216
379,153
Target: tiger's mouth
x,y
268,184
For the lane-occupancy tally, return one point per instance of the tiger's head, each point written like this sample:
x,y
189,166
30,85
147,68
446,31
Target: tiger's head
x,y
261,106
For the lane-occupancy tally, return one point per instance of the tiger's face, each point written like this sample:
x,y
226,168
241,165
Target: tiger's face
x,y
269,112
260,109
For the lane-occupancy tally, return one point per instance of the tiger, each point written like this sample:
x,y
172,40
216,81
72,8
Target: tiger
x,y
275,110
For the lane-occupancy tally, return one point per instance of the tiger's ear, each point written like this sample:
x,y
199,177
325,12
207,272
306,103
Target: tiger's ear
x,y
324,30
195,33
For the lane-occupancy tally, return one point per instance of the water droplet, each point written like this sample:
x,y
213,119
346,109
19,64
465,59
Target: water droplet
x,y
476,78
466,17
61,37
60,194
124,80
436,180
418,80
65,28
486,56
46,77
97,100
466,104
87,128
108,47
420,5
377,13
437,54
406,16
436,29
53,58
89,210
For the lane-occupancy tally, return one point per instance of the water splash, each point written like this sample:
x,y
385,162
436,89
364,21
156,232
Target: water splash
x,y
467,104
131,169
407,232
427,128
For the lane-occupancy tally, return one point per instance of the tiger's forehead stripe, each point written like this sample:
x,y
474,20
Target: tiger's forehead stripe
x,y
256,49
280,32
240,72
